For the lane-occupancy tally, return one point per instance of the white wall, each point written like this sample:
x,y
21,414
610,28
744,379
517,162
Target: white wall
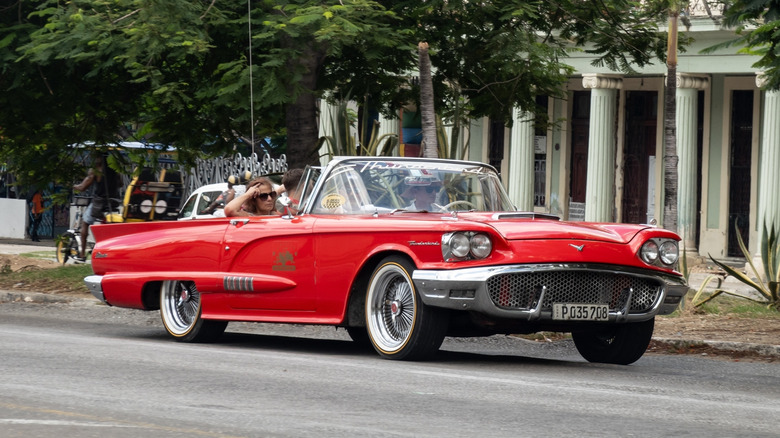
x,y
13,218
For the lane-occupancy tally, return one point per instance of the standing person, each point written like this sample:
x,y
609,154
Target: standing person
x,y
36,209
103,179
258,200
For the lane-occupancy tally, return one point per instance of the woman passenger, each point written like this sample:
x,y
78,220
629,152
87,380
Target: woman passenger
x,y
258,200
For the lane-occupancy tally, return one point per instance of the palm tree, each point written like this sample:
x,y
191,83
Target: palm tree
x,y
670,123
427,111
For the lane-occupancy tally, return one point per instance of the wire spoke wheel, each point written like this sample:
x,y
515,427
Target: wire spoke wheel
x,y
393,307
180,309
399,325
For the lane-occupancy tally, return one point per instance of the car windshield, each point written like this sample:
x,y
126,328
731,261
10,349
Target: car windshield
x,y
369,185
203,201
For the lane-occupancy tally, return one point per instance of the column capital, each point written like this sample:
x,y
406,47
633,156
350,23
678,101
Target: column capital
x,y
596,80
688,80
761,79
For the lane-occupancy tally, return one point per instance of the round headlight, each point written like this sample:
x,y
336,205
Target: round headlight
x,y
146,206
649,252
161,206
669,252
460,245
481,246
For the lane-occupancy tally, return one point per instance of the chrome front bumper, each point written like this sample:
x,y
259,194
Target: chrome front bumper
x,y
467,289
94,285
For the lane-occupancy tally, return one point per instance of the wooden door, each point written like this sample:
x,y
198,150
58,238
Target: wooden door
x,y
640,143
740,158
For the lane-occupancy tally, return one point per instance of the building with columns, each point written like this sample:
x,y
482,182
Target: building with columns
x,y
603,160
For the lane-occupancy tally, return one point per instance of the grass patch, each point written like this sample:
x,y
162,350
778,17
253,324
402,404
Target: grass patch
x,y
44,255
62,279
726,305
755,311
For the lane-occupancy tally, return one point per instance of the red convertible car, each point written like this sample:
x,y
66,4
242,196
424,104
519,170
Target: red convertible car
x,y
401,252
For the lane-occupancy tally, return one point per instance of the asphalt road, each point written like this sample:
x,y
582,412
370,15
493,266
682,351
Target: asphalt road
x,y
83,369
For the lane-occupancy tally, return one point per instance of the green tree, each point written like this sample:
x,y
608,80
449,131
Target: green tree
x,y
757,25
500,55
349,48
178,72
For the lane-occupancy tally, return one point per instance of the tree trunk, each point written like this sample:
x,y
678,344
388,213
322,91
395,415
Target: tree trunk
x,y
670,129
427,111
301,115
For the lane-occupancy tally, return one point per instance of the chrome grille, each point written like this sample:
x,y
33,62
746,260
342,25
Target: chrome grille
x,y
521,290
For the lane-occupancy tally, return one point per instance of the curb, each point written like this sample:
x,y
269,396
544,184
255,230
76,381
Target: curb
x,y
34,297
725,346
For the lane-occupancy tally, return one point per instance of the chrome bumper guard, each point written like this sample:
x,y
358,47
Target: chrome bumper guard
x,y
93,283
466,289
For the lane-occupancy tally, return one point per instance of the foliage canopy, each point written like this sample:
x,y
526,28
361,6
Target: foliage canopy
x,y
178,72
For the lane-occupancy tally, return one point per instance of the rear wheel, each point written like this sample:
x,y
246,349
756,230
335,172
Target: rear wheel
x,y
180,309
399,325
620,344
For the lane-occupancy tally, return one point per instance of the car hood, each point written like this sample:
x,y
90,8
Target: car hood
x,y
532,227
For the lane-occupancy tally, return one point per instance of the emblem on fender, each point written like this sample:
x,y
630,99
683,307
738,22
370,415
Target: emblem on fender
x,y
578,248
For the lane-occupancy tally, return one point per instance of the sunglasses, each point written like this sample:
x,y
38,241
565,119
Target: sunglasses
x,y
431,189
264,196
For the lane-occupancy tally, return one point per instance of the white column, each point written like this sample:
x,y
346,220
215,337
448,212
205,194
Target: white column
x,y
521,161
600,189
769,164
687,126
325,128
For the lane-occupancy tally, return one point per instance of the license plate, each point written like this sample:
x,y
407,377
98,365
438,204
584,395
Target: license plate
x,y
580,312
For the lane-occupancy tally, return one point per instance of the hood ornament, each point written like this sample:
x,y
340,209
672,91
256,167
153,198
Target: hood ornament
x,y
578,248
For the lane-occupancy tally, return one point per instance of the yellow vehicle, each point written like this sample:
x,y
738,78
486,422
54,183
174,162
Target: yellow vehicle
x,y
148,198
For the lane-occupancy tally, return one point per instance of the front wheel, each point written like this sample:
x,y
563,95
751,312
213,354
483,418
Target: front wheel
x,y
620,344
67,248
399,325
180,309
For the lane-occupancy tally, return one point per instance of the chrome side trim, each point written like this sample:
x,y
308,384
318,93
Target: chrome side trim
x,y
94,285
244,284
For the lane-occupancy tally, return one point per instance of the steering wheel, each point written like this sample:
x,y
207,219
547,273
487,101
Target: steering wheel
x,y
447,207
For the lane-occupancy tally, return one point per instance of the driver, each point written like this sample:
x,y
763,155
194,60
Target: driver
x,y
423,190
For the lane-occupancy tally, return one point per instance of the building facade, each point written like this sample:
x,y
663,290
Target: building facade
x,y
603,157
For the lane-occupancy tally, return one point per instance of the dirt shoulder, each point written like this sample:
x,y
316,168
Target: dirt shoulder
x,y
718,336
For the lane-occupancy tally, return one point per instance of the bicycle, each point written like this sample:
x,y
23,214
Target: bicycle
x,y
69,243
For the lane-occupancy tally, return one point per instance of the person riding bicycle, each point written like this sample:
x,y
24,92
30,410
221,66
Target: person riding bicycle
x,y
104,180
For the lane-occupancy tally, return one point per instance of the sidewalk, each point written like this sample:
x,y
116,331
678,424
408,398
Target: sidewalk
x,y
18,246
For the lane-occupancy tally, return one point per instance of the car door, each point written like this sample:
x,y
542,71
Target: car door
x,y
268,263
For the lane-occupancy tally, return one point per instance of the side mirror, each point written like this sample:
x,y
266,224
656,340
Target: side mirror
x,y
287,207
